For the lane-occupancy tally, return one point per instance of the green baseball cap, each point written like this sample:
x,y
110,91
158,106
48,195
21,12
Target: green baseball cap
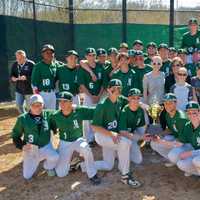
x,y
112,50
163,45
192,105
90,50
114,82
169,97
137,42
131,52
101,51
36,98
47,47
182,51
123,45
72,52
134,92
193,21
139,53
151,44
65,96
172,49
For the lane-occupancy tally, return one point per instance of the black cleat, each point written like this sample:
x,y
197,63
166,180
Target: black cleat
x,y
95,180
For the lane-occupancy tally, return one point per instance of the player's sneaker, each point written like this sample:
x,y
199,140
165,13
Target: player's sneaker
x,y
169,164
187,174
51,172
92,144
95,180
129,180
75,164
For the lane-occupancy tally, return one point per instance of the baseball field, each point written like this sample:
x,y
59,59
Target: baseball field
x,y
159,182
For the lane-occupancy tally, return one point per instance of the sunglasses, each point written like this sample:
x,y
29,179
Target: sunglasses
x,y
154,63
180,74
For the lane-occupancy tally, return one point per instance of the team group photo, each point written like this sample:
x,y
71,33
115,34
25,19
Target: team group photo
x,y
108,121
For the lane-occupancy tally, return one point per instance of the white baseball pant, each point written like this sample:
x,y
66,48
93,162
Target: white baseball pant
x,y
110,149
32,158
66,150
49,99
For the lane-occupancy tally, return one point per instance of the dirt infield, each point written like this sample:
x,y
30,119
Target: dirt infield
x,y
159,182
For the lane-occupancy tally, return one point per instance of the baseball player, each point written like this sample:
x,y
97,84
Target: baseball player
x,y
43,77
175,120
124,74
138,45
105,126
31,133
163,51
172,53
188,155
91,89
68,120
151,52
67,76
131,54
123,47
132,124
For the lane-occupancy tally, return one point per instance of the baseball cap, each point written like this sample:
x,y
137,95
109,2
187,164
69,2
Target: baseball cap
x,y
173,49
151,44
134,92
139,53
112,50
163,45
101,51
169,97
36,98
114,82
65,96
193,21
131,52
137,42
90,50
182,51
192,105
123,45
48,47
72,52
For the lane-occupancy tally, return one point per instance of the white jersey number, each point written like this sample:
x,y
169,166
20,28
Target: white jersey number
x,y
30,138
65,86
112,125
46,82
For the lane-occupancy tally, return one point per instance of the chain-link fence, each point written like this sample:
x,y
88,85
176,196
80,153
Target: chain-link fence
x,y
77,24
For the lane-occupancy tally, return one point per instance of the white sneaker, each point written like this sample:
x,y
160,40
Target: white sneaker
x,y
129,180
169,164
186,174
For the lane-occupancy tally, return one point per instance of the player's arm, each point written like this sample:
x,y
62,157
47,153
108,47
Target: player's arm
x,y
85,66
17,133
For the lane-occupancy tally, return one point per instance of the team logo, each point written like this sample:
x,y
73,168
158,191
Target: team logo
x,y
198,41
129,82
198,141
99,75
174,127
138,121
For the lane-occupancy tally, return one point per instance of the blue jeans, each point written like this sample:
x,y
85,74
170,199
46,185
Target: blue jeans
x,y
22,102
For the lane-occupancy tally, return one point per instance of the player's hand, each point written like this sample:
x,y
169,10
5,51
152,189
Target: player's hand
x,y
94,78
185,155
115,137
14,79
27,147
23,78
36,91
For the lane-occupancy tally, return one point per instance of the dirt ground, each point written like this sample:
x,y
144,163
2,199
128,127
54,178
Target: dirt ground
x,y
158,181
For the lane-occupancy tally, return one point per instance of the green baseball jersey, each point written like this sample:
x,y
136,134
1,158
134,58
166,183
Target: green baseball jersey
x,y
130,120
128,80
31,132
139,74
191,68
43,75
107,113
147,61
166,67
94,87
189,40
70,127
191,135
108,69
67,79
176,124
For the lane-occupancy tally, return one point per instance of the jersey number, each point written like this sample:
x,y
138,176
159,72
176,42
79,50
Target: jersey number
x,y
65,86
30,138
75,124
112,125
46,82
91,85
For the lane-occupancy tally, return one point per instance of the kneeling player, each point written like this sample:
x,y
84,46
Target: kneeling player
x,y
68,121
34,127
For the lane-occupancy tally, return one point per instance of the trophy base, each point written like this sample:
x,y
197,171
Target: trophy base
x,y
154,129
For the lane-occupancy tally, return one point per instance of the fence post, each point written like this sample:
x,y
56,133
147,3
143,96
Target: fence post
x,y
35,31
171,24
71,23
124,21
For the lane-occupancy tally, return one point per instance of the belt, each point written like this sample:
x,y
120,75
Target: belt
x,y
47,90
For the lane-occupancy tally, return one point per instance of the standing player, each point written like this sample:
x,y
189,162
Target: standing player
x,y
67,76
172,53
151,52
21,71
31,133
105,126
92,89
125,74
43,77
138,45
68,121
123,47
132,124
